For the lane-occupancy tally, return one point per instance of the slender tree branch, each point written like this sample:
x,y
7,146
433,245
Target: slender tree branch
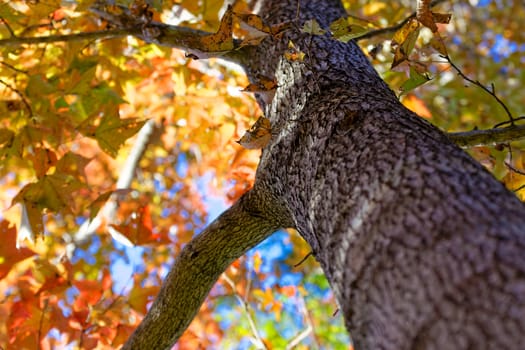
x,y
396,27
474,138
9,29
100,34
490,91
197,268
259,343
22,97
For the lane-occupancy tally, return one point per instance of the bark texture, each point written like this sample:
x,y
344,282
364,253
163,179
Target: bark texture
x,y
423,248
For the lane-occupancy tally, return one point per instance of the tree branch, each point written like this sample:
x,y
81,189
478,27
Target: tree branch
x,y
195,271
96,35
394,28
474,138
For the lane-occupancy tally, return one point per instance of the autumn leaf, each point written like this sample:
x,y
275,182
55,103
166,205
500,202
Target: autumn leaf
x,y
101,200
113,132
139,229
424,15
73,164
344,31
293,53
43,159
438,44
416,105
404,41
9,253
258,136
312,27
416,79
264,87
222,40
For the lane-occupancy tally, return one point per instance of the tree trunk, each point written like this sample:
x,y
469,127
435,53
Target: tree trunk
x,y
422,247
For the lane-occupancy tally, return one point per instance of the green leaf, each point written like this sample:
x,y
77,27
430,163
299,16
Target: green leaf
x,y
416,79
312,27
113,132
344,31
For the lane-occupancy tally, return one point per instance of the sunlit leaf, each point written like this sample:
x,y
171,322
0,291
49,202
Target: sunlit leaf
x,y
9,253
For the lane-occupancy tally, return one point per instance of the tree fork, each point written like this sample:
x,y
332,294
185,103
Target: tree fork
x,y
198,266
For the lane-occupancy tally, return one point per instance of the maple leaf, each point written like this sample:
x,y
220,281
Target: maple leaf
x,y
139,229
43,159
258,136
73,164
113,132
9,254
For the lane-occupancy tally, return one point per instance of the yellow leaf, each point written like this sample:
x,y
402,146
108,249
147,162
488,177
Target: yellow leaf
x,y
293,53
258,136
373,8
417,105
405,31
404,41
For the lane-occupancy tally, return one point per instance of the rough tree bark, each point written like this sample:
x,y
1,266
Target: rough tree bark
x,y
422,247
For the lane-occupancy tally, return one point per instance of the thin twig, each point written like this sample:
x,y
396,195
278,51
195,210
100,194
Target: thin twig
x,y
246,308
41,322
396,27
489,91
13,67
304,259
9,29
513,169
22,97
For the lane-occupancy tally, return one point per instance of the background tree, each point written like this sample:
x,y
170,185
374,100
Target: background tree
x,y
64,104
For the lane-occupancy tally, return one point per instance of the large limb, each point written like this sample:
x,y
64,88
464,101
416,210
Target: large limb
x,y
197,268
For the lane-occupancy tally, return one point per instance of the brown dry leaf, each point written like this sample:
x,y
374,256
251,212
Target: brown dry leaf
x,y
424,15
438,44
258,136
265,88
442,17
222,40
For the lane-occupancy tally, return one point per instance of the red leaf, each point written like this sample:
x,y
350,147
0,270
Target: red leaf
x,y
9,254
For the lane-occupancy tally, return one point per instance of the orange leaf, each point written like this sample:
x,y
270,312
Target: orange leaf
x,y
42,159
9,254
417,106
